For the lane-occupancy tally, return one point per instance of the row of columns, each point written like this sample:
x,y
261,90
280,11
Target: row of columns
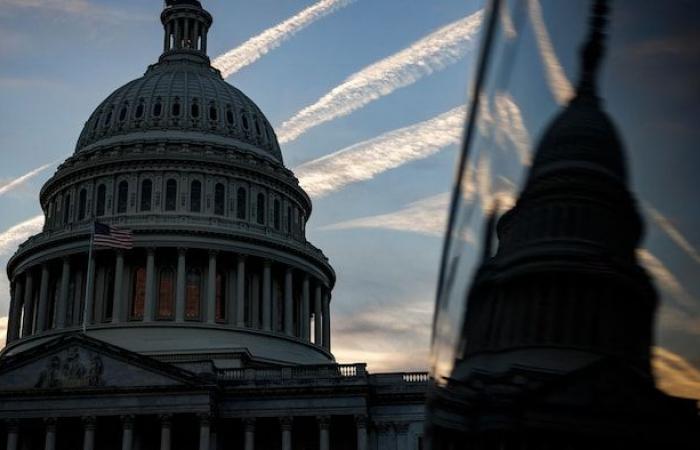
x,y
205,433
319,299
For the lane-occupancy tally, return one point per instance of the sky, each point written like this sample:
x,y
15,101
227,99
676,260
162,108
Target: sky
x,y
367,98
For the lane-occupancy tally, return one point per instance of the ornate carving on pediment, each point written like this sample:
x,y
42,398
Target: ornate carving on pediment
x,y
72,369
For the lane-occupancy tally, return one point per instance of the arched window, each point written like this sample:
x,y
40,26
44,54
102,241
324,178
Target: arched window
x,y
260,216
66,208
139,109
289,219
219,199
195,109
138,299
123,112
146,194
170,195
220,297
158,107
193,294
108,117
101,194
122,196
166,293
277,214
82,204
257,126
241,203
196,196
175,110
230,119
244,120
213,112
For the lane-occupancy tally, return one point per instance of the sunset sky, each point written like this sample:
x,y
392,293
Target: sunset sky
x,y
367,98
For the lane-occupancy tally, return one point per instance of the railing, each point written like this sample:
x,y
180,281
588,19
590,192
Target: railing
x,y
328,371
416,377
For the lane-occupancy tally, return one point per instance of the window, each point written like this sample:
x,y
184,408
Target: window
x,y
101,194
66,208
289,219
123,112
220,297
139,109
193,294
229,116
260,216
158,108
196,196
257,126
195,109
122,196
97,122
166,293
82,204
244,120
277,214
146,194
176,108
138,294
219,199
213,112
241,203
108,117
170,195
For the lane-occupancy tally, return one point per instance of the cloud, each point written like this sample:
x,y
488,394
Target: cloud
x,y
559,84
427,216
15,183
367,159
3,331
72,7
430,54
258,46
674,374
15,235
505,120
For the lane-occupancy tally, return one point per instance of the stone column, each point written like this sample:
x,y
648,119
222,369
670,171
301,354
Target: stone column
x,y
255,301
204,430
318,323
286,426
305,309
12,434
267,296
50,440
401,429
16,312
28,304
41,320
327,322
150,306
63,298
361,426
119,302
180,285
324,436
89,433
288,303
249,430
240,292
127,432
165,422
211,288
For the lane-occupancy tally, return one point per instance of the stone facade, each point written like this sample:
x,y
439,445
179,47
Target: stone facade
x,y
213,329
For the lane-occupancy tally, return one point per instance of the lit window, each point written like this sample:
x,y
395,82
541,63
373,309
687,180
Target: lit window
x,y
138,294
193,294
166,293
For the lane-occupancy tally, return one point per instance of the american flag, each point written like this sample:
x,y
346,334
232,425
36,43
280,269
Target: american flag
x,y
112,237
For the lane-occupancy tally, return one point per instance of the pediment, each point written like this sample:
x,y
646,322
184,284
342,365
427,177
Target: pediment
x,y
79,362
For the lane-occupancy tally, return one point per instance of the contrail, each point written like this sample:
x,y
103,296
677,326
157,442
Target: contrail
x,y
673,233
364,160
665,278
559,84
19,181
430,54
258,46
427,216
13,236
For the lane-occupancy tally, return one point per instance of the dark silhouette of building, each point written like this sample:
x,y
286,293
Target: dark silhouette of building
x,y
555,347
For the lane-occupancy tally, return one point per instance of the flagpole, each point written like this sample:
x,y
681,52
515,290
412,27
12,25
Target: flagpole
x,y
88,282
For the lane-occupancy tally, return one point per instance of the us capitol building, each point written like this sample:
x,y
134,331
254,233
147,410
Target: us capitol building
x,y
213,331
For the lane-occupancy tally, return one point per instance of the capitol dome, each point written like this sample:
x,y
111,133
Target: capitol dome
x,y
219,268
